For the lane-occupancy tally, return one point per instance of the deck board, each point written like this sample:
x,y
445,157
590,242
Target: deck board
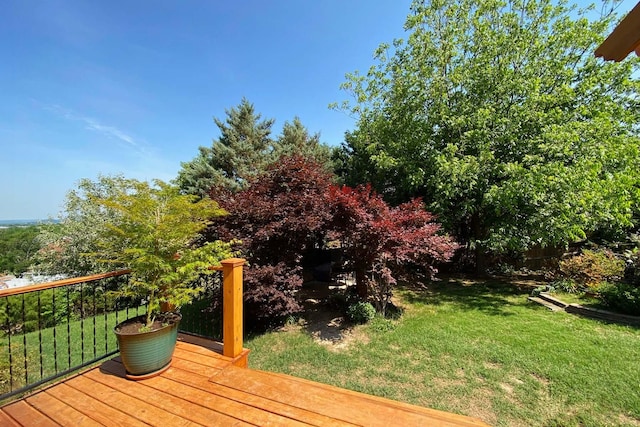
x,y
60,411
251,400
166,398
203,388
6,420
104,413
26,415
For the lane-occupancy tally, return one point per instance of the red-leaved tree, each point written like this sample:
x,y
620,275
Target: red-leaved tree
x,y
283,212
380,241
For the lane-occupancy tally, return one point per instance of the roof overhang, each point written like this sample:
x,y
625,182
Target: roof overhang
x,y
624,39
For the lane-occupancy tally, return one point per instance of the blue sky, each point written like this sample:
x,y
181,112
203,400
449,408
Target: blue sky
x,y
132,87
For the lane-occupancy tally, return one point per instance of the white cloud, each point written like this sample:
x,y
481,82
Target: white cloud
x,y
96,125
93,124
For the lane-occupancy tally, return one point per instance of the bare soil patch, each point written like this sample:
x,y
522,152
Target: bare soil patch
x,y
325,324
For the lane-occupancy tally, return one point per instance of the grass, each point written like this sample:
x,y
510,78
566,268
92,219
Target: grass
x,y
481,349
578,298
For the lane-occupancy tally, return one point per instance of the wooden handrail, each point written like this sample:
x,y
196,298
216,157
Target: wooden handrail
x,y
73,281
232,307
58,283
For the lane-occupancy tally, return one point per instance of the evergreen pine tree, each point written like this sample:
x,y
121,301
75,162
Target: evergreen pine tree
x,y
296,140
243,149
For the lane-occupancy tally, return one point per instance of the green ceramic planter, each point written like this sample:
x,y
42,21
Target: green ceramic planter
x,y
146,353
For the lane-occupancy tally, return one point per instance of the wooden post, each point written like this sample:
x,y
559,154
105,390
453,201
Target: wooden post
x,y
232,307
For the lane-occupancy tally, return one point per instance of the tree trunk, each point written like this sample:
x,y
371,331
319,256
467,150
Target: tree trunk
x,y
480,257
361,283
481,261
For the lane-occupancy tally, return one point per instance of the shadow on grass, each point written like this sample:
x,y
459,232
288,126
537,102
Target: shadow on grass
x,y
492,296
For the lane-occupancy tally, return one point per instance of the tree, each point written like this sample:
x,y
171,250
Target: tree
x,y
380,241
64,245
18,247
295,140
277,218
240,153
354,166
500,117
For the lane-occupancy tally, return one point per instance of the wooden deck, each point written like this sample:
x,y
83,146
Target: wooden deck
x,y
204,388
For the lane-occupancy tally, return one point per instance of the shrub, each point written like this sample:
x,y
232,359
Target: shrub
x,y
270,295
568,285
380,241
592,267
342,299
361,312
620,297
632,267
337,301
282,214
380,324
537,291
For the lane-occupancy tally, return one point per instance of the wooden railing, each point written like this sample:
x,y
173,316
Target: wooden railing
x,y
60,283
64,335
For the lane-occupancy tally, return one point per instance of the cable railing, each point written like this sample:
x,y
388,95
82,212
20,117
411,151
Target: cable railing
x,y
50,330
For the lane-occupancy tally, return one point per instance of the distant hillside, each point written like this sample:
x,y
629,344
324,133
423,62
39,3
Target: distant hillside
x,y
23,222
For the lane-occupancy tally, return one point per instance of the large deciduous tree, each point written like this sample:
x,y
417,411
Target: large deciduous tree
x,y
499,115
242,151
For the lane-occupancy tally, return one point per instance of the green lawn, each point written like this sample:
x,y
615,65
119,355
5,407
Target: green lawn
x,y
480,349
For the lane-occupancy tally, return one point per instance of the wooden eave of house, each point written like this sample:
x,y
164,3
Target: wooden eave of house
x,y
624,39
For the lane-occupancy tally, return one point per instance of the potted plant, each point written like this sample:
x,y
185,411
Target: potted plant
x,y
153,233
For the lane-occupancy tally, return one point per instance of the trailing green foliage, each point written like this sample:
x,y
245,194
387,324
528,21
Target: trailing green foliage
x,y
500,116
154,235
